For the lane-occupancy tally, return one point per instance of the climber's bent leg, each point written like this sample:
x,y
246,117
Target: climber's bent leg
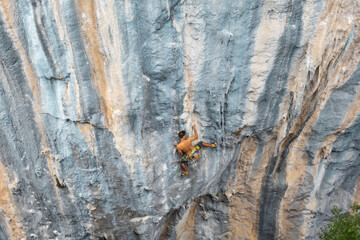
x,y
205,144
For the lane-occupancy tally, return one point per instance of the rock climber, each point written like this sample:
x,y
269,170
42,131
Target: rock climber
x,y
187,150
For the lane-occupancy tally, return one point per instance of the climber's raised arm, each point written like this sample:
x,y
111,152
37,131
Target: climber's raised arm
x,y
195,136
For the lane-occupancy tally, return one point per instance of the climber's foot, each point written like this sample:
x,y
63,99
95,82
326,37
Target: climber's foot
x,y
185,173
213,145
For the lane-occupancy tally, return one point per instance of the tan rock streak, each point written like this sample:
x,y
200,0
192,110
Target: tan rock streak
x,y
194,38
245,189
330,55
88,131
9,213
31,78
357,192
185,229
244,210
8,13
88,26
279,174
71,88
33,81
97,19
268,34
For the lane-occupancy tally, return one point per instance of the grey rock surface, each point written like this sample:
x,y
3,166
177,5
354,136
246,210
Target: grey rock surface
x,y
93,94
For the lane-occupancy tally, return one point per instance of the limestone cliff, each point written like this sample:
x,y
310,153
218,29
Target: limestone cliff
x,y
93,93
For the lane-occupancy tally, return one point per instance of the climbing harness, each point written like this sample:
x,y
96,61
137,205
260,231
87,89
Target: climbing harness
x,y
194,154
188,157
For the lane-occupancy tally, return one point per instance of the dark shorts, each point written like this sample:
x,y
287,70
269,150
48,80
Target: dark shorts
x,y
200,145
184,162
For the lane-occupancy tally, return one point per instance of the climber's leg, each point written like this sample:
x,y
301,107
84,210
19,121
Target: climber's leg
x,y
183,166
205,144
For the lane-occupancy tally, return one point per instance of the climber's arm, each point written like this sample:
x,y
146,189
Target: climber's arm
x,y
195,136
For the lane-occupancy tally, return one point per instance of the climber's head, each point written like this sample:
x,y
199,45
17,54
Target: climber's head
x,y
182,134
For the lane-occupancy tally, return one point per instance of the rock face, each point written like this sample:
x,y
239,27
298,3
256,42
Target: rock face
x,y
93,93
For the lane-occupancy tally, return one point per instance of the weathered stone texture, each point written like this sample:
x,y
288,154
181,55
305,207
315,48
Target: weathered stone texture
x,y
93,93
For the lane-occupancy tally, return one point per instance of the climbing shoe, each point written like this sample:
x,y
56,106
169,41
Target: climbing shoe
x,y
185,173
213,145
